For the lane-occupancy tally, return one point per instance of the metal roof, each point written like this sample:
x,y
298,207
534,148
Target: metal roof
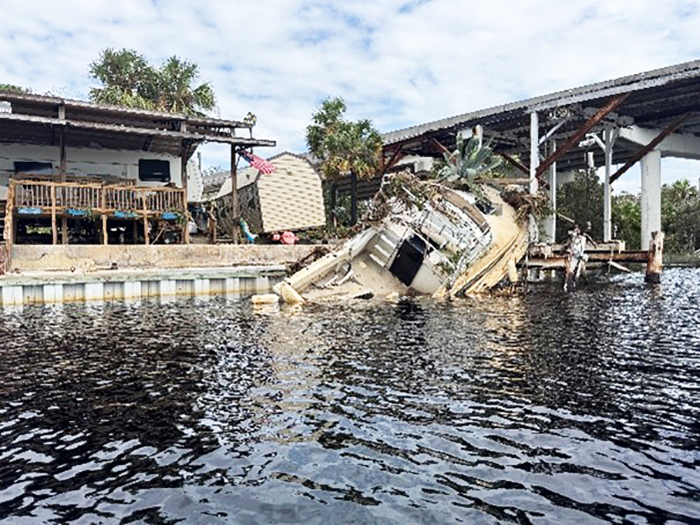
x,y
34,119
656,99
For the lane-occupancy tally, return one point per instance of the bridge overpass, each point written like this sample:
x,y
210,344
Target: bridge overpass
x,y
616,124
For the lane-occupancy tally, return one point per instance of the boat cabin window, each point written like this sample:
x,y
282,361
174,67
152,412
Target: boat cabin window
x,y
154,170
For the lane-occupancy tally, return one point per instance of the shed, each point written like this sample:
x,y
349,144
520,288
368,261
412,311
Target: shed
x,y
291,198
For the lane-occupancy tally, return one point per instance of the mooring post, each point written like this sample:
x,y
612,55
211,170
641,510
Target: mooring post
x,y
655,260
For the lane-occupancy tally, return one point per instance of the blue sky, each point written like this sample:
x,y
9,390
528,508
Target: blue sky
x,y
397,62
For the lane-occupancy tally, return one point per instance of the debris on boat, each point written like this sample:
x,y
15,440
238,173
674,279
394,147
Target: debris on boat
x,y
422,238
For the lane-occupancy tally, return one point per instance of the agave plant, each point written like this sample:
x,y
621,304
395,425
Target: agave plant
x,y
467,162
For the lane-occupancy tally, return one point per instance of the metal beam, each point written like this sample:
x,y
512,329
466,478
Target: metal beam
x,y
576,137
514,162
646,149
395,158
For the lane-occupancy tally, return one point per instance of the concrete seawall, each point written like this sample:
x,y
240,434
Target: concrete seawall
x,y
30,258
62,287
69,273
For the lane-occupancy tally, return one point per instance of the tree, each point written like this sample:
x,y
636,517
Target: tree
x,y
680,216
627,220
176,94
129,80
582,201
13,88
344,148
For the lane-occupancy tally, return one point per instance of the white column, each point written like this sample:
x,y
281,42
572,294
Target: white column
x,y
551,222
233,285
534,164
651,196
12,295
607,197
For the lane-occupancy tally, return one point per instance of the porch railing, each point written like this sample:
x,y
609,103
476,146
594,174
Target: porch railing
x,y
72,199
62,196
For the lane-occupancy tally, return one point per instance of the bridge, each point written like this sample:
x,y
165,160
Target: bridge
x,y
616,124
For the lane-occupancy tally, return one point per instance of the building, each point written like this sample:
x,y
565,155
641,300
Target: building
x,y
76,172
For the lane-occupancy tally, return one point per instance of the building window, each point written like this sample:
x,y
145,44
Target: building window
x,y
33,168
154,170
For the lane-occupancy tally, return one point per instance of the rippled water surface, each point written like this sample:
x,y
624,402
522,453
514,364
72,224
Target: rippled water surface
x,y
541,408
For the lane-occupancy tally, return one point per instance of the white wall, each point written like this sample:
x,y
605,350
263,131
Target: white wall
x,y
84,161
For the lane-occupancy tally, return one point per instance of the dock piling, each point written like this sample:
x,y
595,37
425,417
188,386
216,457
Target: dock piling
x,y
655,258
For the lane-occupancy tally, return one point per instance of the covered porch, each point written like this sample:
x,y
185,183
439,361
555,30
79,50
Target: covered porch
x,y
73,172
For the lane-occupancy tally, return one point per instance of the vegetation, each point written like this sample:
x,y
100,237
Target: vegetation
x,y
129,80
680,217
13,88
627,219
467,162
344,147
582,201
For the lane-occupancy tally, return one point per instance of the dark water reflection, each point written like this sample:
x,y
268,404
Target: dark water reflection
x,y
545,408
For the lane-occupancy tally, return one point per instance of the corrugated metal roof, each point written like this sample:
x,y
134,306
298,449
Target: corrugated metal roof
x,y
656,98
32,119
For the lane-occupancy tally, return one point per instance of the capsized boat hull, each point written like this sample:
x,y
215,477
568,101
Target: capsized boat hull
x,y
443,246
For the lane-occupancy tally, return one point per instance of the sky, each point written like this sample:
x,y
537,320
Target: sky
x,y
397,62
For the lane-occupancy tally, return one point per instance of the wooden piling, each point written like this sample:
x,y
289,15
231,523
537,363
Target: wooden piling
x,y
655,260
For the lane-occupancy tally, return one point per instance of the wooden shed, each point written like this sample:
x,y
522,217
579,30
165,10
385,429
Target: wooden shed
x,y
291,198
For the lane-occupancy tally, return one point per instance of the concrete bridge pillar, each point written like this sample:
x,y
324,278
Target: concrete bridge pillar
x,y
651,196
550,223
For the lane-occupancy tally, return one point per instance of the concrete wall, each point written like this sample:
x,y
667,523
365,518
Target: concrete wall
x,y
26,257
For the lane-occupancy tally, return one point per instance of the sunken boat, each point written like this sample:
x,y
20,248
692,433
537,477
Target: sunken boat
x,y
421,238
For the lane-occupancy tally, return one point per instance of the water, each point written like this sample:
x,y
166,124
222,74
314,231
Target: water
x,y
542,408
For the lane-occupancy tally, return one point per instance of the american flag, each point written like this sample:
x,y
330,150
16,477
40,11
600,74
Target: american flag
x,y
258,163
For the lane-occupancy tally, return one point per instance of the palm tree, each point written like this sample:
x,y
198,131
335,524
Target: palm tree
x,y
344,147
176,93
129,80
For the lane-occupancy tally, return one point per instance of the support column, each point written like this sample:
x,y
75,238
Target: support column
x,y
63,164
651,196
534,164
183,177
551,221
235,211
609,136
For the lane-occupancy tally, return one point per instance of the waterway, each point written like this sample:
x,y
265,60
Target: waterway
x,y
540,408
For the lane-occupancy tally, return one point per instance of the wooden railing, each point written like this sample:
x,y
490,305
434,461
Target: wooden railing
x,y
99,199
75,199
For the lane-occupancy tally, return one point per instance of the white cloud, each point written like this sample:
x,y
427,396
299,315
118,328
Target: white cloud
x,y
399,63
